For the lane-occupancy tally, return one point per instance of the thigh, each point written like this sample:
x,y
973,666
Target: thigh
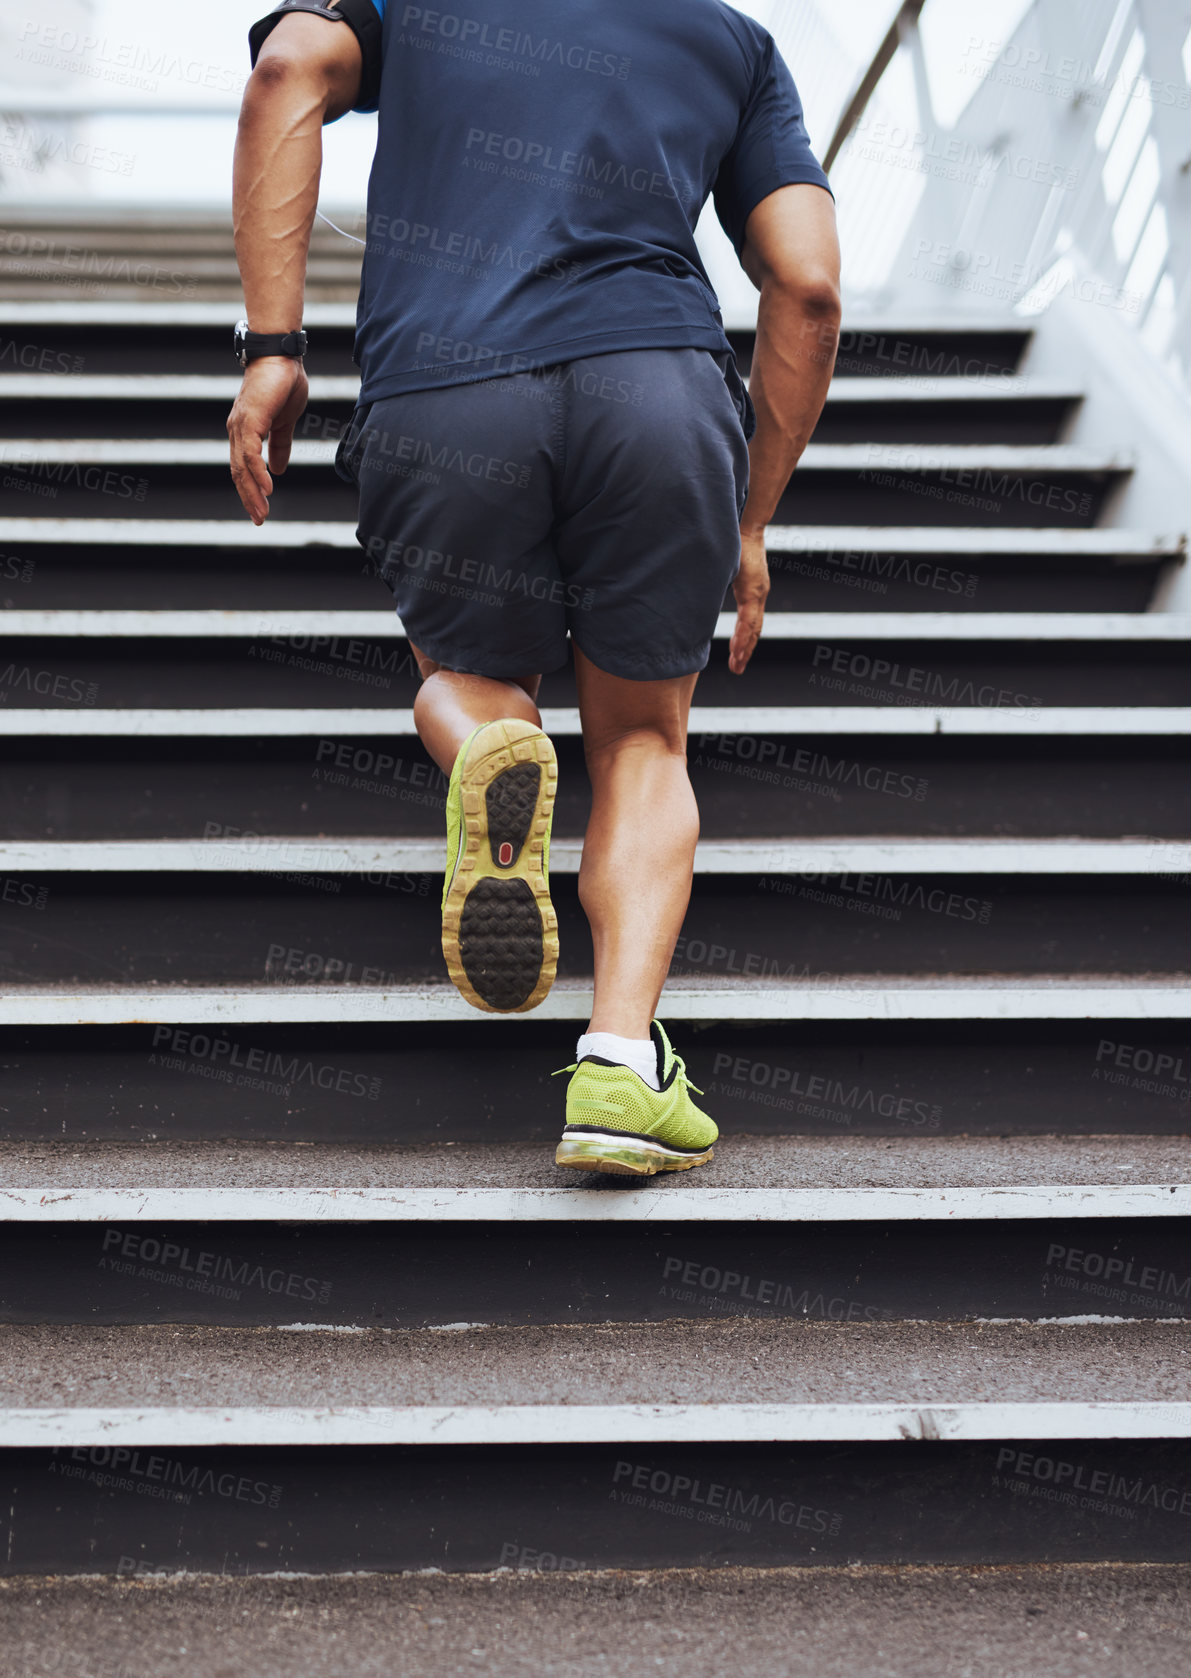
x,y
456,509
648,535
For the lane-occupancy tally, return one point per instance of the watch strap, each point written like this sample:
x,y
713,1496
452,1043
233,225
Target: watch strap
x,y
251,346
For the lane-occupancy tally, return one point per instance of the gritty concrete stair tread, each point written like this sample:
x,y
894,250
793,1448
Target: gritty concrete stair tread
x,y
1042,1621
740,1163
745,1359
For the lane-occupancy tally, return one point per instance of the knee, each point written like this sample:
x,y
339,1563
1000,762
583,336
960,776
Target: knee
x,y
608,745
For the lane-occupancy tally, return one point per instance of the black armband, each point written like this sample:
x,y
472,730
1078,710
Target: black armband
x,y
361,17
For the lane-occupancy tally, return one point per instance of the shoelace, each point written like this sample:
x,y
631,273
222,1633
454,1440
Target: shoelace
x,y
679,1063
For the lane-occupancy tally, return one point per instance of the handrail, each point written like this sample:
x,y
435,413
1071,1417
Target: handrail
x,y
906,19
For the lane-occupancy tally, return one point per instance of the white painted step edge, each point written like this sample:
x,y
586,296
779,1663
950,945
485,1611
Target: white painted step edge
x,y
708,724
322,631
192,387
817,457
825,539
142,312
61,1202
831,997
255,854
124,1430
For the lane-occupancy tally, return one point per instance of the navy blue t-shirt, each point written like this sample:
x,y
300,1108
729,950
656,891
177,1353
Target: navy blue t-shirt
x,y
540,167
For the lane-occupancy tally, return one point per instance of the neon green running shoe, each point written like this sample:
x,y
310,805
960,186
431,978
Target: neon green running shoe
x,y
617,1123
499,929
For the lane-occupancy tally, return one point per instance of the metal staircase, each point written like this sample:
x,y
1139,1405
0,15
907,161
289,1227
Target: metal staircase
x,y
290,1283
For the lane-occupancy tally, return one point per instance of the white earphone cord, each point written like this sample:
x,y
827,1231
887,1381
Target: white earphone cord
x,y
331,224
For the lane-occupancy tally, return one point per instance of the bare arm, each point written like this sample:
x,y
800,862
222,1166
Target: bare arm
x,y
308,73
791,254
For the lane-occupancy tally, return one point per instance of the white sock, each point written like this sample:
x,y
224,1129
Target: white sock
x,y
640,1055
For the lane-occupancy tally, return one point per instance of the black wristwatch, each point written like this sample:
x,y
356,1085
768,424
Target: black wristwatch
x,y
250,346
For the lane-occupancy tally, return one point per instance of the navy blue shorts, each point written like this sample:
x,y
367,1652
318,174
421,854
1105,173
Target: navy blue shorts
x,y
599,497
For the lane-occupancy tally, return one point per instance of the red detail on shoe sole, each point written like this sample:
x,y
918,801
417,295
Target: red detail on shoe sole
x,y
505,854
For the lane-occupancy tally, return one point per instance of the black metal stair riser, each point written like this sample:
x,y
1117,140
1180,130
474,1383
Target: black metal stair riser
x,y
409,1275
1023,420
204,928
422,1082
348,671
148,347
48,576
468,1509
873,492
748,785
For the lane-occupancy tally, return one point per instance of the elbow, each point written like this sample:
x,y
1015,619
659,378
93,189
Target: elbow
x,y
814,295
282,81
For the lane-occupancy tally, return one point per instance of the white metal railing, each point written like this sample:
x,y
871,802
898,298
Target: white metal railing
x,y
1069,169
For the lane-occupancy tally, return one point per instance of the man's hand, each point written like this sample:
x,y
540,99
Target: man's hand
x,y
751,589
270,402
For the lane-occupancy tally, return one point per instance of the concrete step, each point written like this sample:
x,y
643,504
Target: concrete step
x,y
748,1379
537,1613
143,1388
773,1179
139,564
